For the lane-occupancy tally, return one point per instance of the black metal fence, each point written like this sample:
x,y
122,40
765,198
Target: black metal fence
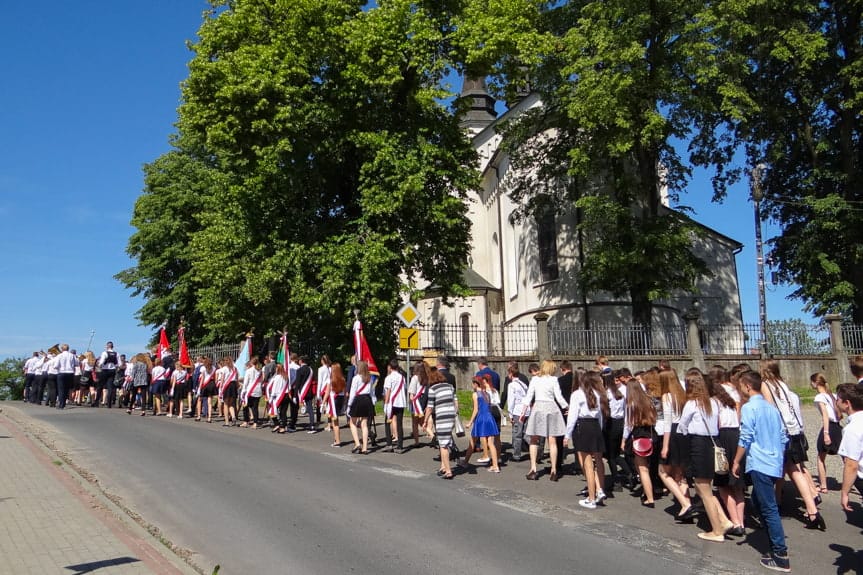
x,y
782,339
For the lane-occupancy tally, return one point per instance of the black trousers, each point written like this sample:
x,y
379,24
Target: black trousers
x,y
250,411
283,411
295,412
110,393
38,389
398,415
64,385
28,385
51,389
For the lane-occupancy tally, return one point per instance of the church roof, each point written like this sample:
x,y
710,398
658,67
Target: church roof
x,y
471,279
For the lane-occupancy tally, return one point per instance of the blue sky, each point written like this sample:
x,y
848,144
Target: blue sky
x,y
89,94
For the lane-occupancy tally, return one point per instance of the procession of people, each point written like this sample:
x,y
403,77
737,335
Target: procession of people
x,y
703,439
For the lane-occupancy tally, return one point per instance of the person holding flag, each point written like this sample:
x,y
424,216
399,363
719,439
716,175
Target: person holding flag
x,y
323,384
250,395
362,353
179,390
361,407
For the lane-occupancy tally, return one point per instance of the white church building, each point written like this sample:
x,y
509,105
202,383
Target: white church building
x,y
519,270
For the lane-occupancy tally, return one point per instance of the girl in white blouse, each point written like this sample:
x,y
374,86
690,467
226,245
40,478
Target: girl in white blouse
x,y
545,419
830,435
587,405
700,421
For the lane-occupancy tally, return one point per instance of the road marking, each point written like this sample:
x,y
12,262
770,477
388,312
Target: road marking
x,y
401,472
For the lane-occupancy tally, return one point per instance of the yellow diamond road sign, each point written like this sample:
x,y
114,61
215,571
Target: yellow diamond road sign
x,y
409,315
409,338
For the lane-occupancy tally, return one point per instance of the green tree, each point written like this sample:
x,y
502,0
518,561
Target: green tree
x,y
342,175
793,337
622,84
801,67
12,379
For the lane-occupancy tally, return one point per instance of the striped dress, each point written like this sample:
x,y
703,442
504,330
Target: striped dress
x,y
441,401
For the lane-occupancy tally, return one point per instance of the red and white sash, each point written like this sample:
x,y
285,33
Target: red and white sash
x,y
307,385
180,378
388,408
275,402
416,402
231,377
206,382
332,402
253,387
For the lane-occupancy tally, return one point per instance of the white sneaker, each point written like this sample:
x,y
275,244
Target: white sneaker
x,y
483,460
600,497
587,503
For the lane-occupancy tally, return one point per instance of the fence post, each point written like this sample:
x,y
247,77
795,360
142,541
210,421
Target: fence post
x,y
693,340
542,340
837,347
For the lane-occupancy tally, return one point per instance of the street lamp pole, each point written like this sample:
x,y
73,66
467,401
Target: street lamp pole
x,y
757,195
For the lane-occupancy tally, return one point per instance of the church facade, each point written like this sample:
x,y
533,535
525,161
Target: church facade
x,y
519,269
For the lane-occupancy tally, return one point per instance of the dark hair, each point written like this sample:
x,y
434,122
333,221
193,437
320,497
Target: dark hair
x,y
752,379
611,385
856,365
565,364
533,367
394,364
852,393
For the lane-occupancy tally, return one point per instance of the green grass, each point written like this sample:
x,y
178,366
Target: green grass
x,y
806,393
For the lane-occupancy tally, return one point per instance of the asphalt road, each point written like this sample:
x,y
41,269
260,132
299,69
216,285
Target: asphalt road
x,y
250,500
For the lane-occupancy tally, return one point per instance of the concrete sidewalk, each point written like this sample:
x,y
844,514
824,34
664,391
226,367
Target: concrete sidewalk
x,y
50,522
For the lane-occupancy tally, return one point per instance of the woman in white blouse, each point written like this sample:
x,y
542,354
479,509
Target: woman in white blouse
x,y
830,435
700,421
545,418
588,405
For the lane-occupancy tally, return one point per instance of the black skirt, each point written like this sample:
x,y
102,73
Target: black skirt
x,y
613,436
209,390
835,439
795,449
363,406
181,390
588,436
232,391
728,438
701,457
678,449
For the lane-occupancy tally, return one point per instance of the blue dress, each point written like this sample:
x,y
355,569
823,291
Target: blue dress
x,y
484,424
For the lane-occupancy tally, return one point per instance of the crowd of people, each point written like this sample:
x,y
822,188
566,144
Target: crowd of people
x,y
653,432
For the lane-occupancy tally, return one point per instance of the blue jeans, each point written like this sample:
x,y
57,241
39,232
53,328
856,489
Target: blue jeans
x,y
764,502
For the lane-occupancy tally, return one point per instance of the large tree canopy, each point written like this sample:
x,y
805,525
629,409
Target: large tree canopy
x,y
801,64
345,174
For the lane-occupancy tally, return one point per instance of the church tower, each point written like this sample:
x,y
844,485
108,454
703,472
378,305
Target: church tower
x,y
480,106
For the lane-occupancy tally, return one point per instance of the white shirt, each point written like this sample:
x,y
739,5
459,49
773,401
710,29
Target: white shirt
x,y
248,381
29,364
828,401
278,384
784,401
357,384
292,372
53,366
66,362
579,409
617,407
670,412
694,421
395,385
728,415
516,393
545,388
852,441
323,379
158,373
103,360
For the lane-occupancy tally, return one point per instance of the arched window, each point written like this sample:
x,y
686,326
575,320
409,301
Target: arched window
x,y
465,330
547,243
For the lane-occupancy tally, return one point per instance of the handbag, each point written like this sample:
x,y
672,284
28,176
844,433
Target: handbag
x,y
720,459
459,427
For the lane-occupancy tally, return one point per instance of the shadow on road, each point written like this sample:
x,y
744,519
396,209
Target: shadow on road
x,y
96,565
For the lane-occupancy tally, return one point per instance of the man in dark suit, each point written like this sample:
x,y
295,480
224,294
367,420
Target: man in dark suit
x,y
565,384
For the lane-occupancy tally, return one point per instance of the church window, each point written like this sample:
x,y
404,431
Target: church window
x,y
465,330
547,244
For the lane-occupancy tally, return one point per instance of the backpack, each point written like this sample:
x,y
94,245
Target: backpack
x,y
110,357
